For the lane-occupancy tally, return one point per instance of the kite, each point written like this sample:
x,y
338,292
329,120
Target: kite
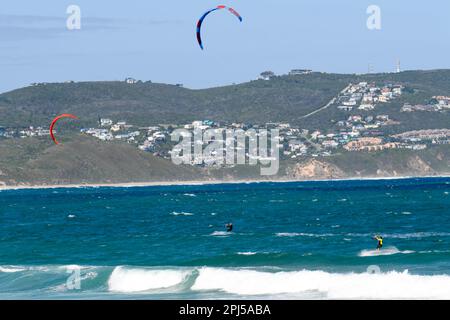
x,y
200,22
65,115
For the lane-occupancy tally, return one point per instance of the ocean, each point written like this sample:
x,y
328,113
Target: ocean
x,y
293,240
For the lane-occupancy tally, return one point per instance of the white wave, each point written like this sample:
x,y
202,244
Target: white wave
x,y
71,216
64,287
252,253
391,285
400,235
189,195
89,275
287,234
406,213
11,269
49,268
303,234
181,214
383,252
220,233
137,280
72,267
248,253
417,235
434,251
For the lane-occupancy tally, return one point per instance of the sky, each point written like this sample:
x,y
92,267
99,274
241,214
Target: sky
x,y
155,40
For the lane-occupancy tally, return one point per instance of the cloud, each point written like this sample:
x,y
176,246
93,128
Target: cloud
x,y
27,27
6,19
28,40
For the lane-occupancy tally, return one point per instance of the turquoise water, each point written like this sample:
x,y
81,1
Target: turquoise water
x,y
290,240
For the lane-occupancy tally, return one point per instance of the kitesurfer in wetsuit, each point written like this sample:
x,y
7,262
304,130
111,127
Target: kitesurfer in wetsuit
x,y
229,227
380,242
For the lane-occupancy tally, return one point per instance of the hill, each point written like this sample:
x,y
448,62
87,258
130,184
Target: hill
x,y
84,160
282,99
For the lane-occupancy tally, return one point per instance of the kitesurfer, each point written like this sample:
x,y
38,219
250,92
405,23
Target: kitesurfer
x,y
380,242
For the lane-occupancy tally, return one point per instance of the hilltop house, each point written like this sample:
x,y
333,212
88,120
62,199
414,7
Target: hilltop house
x,y
296,72
131,80
266,75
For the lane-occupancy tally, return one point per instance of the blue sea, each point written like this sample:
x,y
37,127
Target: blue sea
x,y
299,240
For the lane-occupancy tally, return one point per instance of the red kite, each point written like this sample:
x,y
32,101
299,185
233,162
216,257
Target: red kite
x,y
65,115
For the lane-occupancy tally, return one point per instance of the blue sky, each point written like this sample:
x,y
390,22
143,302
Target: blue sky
x,y
155,40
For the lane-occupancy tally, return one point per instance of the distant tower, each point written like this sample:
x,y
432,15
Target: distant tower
x,y
370,68
398,68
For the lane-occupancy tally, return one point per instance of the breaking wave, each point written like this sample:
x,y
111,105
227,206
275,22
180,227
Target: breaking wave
x,y
391,285
137,280
11,269
216,282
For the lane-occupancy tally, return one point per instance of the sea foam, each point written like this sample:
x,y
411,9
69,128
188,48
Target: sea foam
x,y
181,213
391,285
383,252
130,280
11,269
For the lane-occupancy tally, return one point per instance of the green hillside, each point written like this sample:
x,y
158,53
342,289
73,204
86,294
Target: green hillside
x,y
84,160
149,103
282,99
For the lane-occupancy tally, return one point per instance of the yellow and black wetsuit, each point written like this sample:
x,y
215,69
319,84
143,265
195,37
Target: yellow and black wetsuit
x,y
380,242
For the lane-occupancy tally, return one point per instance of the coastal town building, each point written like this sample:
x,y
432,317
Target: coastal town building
x,y
359,129
130,80
370,144
296,72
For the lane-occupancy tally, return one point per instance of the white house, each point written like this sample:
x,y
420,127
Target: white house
x,y
131,80
106,122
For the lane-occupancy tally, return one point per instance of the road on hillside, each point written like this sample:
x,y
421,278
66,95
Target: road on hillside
x,y
332,101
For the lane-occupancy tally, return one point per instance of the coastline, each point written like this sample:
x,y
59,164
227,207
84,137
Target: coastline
x,y
201,182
